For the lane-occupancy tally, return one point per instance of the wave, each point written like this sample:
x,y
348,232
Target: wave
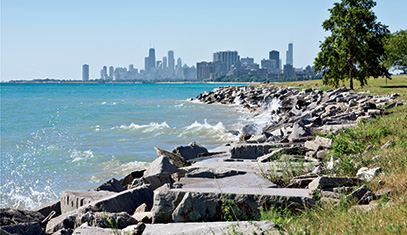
x,y
78,155
206,129
153,126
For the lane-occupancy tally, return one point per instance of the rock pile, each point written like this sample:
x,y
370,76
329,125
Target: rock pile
x,y
190,189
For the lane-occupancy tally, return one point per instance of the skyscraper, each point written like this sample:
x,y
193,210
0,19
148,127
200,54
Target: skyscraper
x,y
275,55
165,65
171,61
85,72
290,52
151,59
111,71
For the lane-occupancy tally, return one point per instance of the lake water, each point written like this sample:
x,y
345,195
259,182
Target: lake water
x,y
58,137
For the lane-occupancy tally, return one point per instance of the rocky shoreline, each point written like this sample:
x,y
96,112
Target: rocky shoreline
x,y
191,190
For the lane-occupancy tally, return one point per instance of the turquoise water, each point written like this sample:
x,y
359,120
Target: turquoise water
x,y
56,137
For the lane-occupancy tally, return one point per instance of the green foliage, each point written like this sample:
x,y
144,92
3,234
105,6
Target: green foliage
x,y
396,51
355,47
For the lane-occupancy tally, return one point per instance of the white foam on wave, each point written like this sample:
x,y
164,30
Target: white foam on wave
x,y
206,129
108,103
78,155
26,198
151,127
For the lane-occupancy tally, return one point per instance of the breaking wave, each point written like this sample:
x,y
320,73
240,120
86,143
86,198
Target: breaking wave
x,y
206,129
153,126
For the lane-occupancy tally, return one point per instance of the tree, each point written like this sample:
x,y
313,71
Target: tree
x,y
355,48
396,51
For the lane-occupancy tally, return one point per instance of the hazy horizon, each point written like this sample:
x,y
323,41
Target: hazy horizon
x,y
52,39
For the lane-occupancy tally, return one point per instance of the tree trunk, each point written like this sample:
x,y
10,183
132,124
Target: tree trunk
x,y
350,79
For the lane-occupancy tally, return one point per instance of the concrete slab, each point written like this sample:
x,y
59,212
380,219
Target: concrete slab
x,y
249,180
204,228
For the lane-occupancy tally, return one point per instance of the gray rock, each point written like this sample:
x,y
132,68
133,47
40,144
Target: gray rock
x,y
251,129
112,185
22,229
368,174
388,144
106,220
204,228
189,205
63,232
250,151
321,154
312,145
155,181
331,182
128,179
86,230
126,201
145,217
323,142
366,199
160,165
357,194
71,200
177,160
190,151
46,209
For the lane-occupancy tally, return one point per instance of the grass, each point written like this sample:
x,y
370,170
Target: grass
x,y
388,215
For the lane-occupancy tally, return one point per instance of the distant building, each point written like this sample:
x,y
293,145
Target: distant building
x,y
268,64
111,71
247,60
165,64
205,70
290,54
151,59
85,72
228,57
171,62
275,55
289,70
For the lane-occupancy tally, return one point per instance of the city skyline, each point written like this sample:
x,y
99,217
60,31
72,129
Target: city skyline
x,y
52,39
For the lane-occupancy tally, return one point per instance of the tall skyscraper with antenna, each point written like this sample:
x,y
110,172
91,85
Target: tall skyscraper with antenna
x,y
289,54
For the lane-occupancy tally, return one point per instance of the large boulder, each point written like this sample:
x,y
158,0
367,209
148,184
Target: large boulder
x,y
206,204
128,179
72,200
160,165
126,201
191,151
177,160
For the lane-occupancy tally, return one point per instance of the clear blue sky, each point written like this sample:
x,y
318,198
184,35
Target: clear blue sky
x,y
53,38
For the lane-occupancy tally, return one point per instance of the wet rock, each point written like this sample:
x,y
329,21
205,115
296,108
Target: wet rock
x,y
190,151
251,129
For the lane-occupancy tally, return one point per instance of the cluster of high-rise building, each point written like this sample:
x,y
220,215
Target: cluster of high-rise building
x,y
227,63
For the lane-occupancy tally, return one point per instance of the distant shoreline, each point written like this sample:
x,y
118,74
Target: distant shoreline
x,y
123,82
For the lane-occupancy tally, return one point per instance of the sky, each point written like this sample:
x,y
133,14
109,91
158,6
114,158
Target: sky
x,y
54,38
